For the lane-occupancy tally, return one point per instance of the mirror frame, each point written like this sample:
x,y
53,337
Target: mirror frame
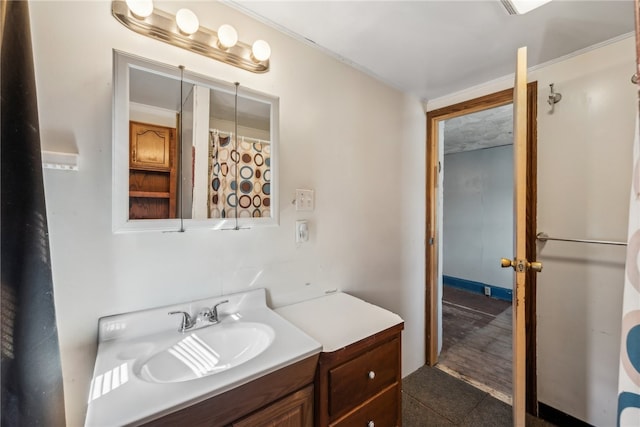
x,y
122,62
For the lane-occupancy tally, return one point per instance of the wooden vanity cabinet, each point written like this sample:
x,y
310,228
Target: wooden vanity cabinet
x,y
283,398
360,385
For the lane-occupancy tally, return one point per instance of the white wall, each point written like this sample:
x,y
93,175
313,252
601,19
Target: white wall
x,y
584,177
358,143
478,215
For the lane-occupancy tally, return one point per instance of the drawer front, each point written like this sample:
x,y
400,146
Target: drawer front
x,y
381,411
355,381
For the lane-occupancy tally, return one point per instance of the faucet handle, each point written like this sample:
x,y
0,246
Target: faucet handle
x,y
215,307
213,314
187,321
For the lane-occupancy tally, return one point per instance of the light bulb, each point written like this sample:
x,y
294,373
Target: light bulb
x,y
140,8
187,21
261,51
227,36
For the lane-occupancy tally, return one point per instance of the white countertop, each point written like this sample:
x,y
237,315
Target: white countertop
x,y
338,320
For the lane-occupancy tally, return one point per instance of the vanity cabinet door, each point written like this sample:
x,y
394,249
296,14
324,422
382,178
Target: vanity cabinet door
x,y
295,410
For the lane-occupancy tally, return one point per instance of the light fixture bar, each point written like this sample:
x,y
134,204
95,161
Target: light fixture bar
x,y
162,26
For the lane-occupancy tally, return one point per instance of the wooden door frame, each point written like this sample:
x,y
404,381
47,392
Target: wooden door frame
x,y
432,238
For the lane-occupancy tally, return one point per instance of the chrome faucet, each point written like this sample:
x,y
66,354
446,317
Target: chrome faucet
x,y
212,314
187,321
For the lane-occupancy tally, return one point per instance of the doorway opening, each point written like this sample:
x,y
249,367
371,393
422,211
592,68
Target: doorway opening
x,y
477,206
434,238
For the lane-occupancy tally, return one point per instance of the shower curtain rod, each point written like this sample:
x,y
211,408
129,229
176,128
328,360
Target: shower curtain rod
x,y
543,237
243,137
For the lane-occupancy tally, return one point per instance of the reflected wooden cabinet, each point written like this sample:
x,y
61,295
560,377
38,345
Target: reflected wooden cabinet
x,y
150,146
152,171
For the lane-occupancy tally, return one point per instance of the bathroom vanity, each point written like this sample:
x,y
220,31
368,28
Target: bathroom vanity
x,y
330,361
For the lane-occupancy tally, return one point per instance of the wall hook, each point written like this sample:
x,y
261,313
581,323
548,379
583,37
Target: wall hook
x,y
554,98
634,79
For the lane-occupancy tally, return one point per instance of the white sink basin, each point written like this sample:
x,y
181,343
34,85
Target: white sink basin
x,y
206,351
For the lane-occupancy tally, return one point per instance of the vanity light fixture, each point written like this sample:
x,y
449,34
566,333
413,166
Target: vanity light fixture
x,y
184,30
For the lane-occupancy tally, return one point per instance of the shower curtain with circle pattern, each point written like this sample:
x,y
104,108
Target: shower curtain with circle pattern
x,y
629,371
239,179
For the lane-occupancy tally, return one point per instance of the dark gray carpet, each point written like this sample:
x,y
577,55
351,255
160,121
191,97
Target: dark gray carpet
x,y
431,397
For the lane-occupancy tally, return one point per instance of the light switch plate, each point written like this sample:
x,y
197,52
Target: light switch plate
x,y
302,231
304,200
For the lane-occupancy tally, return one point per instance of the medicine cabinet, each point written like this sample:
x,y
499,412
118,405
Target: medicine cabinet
x,y
190,151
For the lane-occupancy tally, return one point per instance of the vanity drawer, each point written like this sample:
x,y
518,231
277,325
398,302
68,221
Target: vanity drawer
x,y
357,380
381,411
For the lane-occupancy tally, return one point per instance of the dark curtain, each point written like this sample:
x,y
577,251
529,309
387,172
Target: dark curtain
x,y
32,393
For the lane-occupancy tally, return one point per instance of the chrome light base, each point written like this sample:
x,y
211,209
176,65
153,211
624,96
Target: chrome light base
x,y
162,26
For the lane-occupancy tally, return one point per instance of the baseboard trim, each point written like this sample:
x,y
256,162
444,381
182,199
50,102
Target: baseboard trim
x,y
559,418
477,287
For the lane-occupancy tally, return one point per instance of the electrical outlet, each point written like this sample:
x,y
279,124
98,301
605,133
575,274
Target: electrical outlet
x,y
487,291
304,200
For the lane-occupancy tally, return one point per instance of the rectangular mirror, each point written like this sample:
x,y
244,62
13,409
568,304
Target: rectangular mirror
x,y
190,151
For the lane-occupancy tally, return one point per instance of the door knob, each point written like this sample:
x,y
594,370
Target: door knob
x,y
519,264
506,263
536,266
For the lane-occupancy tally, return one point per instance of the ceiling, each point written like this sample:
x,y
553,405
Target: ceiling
x,y
479,130
433,48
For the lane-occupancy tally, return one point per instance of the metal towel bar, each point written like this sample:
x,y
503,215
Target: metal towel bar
x,y
543,237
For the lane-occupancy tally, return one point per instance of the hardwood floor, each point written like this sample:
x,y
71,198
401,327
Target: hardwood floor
x,y
477,340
